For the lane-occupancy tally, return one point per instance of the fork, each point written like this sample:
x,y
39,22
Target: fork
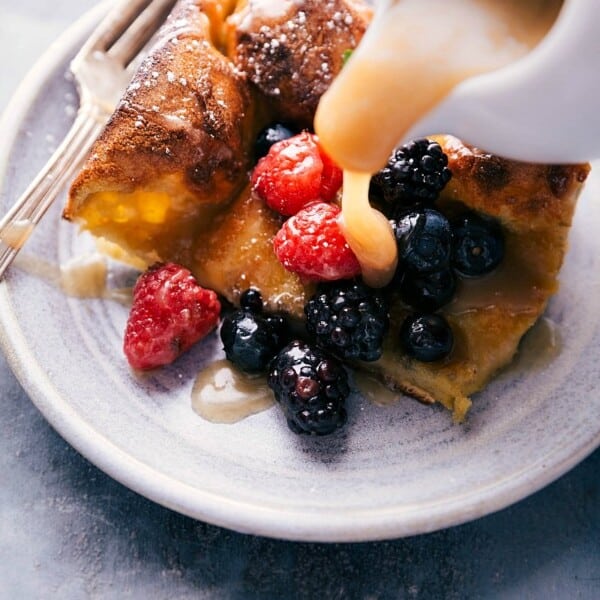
x,y
102,69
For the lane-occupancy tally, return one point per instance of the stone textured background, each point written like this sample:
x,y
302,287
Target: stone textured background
x,y
69,531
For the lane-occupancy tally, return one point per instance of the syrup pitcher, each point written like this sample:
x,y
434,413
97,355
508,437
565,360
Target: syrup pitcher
x,y
518,78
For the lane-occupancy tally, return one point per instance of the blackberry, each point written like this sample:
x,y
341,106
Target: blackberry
x,y
424,240
478,246
311,387
348,319
415,173
430,291
250,339
426,337
271,134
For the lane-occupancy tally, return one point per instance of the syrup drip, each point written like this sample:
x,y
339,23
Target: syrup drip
x,y
80,277
413,54
538,348
16,234
367,232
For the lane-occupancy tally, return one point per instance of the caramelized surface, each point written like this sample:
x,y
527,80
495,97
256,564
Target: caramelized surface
x,y
237,253
535,204
291,55
176,150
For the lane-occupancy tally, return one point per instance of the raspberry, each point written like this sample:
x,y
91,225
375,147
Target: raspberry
x,y
295,172
331,178
312,244
170,313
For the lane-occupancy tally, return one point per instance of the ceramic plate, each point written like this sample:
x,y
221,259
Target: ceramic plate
x,y
394,471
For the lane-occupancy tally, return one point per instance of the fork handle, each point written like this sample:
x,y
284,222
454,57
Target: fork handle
x,y
19,222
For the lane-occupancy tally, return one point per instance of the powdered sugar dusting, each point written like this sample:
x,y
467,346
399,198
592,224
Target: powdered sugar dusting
x,y
282,45
268,9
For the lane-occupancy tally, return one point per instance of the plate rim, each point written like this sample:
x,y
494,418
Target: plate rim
x,y
246,517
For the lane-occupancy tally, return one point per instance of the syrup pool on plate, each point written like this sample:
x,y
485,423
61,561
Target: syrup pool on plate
x,y
83,276
16,234
224,394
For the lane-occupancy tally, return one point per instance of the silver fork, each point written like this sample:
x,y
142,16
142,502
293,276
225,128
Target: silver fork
x,y
102,69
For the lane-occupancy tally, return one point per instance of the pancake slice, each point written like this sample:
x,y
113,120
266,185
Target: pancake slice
x,y
168,180
237,254
175,152
291,50
489,316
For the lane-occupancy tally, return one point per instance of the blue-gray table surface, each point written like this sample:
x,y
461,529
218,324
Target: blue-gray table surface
x,y
69,531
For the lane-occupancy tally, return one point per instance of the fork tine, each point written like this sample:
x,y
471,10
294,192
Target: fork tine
x,y
114,24
140,31
101,69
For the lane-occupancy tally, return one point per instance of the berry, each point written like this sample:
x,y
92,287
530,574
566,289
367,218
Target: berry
x,y
426,337
424,240
271,134
251,300
294,173
311,387
251,340
430,291
331,177
478,245
348,319
416,172
311,243
170,312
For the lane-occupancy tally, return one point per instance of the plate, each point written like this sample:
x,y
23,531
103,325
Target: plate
x,y
394,471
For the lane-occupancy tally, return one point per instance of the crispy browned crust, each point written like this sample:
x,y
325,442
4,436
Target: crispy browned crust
x,y
523,196
185,128
293,59
535,204
187,113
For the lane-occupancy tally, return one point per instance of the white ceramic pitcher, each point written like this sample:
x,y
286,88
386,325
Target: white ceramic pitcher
x,y
544,108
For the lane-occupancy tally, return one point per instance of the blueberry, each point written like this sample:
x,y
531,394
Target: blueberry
x,y
424,240
278,323
250,340
426,337
271,134
478,246
430,291
251,300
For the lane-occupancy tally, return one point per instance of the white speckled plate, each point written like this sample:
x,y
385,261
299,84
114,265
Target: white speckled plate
x,y
394,471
